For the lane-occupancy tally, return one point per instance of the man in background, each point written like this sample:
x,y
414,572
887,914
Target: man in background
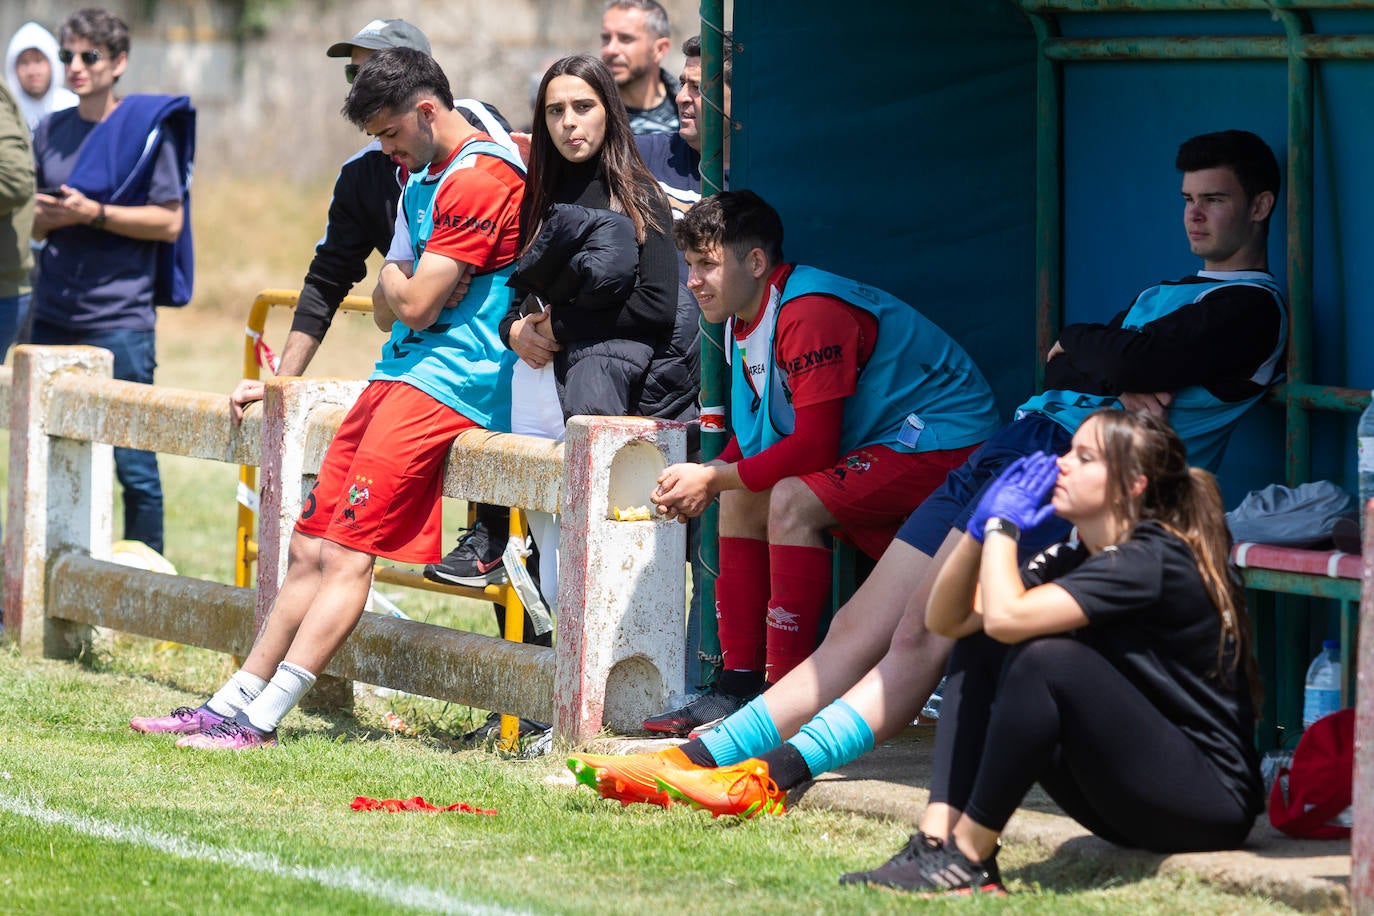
x,y
16,216
634,38
104,215
675,159
34,74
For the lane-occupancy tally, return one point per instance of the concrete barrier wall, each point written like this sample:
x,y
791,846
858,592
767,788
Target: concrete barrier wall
x,y
620,632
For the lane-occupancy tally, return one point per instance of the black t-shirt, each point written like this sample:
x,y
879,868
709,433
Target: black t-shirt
x,y
1150,616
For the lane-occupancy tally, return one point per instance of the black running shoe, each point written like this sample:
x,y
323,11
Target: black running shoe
x,y
490,730
475,562
930,867
706,709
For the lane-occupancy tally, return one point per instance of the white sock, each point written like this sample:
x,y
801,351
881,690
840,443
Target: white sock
x,y
280,696
240,690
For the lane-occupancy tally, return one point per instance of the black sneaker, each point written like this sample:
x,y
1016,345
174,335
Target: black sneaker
x,y
475,562
704,710
490,730
929,866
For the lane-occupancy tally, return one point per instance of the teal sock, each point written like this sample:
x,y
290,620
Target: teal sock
x,y
743,734
837,735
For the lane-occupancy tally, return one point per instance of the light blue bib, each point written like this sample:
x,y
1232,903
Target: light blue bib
x,y
1202,420
919,391
459,360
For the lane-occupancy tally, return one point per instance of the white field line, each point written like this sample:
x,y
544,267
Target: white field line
x,y
347,879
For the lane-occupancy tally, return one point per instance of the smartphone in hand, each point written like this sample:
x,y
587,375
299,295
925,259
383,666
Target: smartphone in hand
x,y
53,192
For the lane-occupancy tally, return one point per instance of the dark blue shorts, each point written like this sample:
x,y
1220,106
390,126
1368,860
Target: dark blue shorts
x,y
950,506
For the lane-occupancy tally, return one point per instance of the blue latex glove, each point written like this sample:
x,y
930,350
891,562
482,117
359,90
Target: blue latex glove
x,y
979,520
1019,495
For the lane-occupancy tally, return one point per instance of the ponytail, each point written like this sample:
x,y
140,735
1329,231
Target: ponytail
x,y
1199,520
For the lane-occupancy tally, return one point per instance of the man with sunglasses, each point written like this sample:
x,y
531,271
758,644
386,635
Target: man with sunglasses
x,y
113,175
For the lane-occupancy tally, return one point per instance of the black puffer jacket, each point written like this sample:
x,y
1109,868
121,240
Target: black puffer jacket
x,y
584,258
674,377
585,261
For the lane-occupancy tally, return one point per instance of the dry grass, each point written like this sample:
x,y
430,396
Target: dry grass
x,y
252,236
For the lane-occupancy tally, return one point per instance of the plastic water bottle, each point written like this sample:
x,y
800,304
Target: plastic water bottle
x,y
931,709
1365,435
1323,691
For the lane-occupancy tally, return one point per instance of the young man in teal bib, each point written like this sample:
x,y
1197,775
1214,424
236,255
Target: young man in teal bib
x,y
847,408
444,370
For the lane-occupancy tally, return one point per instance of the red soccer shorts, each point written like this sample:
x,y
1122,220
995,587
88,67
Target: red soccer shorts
x,y
872,490
381,482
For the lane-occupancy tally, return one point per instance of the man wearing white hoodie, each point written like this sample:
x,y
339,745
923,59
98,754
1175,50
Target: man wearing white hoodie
x,y
32,70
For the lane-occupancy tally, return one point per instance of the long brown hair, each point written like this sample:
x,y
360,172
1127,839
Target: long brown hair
x,y
1187,502
634,190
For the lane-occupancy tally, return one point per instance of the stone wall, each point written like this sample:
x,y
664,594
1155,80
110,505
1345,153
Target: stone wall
x,y
269,104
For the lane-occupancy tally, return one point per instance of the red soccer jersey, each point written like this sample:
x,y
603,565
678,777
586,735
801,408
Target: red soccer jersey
x,y
821,344
477,212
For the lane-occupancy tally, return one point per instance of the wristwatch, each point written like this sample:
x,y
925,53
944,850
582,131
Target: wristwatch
x,y
99,221
1002,526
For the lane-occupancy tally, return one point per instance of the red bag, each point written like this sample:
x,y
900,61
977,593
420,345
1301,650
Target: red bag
x,y
1319,781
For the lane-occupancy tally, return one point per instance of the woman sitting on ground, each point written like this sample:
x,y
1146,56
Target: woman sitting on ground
x,y
1115,670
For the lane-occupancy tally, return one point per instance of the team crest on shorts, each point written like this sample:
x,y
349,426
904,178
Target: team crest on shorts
x,y
359,492
857,464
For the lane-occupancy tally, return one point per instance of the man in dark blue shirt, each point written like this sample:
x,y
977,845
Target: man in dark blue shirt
x,y
96,285
675,159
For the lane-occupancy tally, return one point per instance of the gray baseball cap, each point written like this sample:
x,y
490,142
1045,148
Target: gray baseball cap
x,y
382,33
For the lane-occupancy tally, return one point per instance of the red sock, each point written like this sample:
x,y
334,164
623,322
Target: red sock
x,y
800,594
741,603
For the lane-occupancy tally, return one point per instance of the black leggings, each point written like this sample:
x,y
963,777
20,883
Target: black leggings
x,y
1056,711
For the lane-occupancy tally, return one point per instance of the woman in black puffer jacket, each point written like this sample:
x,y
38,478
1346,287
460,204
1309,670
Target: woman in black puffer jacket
x,y
604,340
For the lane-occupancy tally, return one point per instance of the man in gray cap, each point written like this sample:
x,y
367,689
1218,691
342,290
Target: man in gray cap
x,y
362,213
373,37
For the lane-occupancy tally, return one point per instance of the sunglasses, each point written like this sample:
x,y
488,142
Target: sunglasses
x,y
87,57
350,73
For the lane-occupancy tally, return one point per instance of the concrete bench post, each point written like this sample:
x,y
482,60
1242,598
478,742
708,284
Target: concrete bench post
x,y
1362,837
621,585
285,482
60,498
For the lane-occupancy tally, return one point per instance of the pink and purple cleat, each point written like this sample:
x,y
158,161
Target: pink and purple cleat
x,y
229,735
181,721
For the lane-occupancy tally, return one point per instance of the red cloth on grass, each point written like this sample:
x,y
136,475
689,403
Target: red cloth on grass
x,y
363,803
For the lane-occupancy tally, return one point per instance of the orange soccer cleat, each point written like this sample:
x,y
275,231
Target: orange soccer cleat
x,y
743,789
630,777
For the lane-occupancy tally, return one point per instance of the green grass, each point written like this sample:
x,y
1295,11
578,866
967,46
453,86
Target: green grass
x,y
94,818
